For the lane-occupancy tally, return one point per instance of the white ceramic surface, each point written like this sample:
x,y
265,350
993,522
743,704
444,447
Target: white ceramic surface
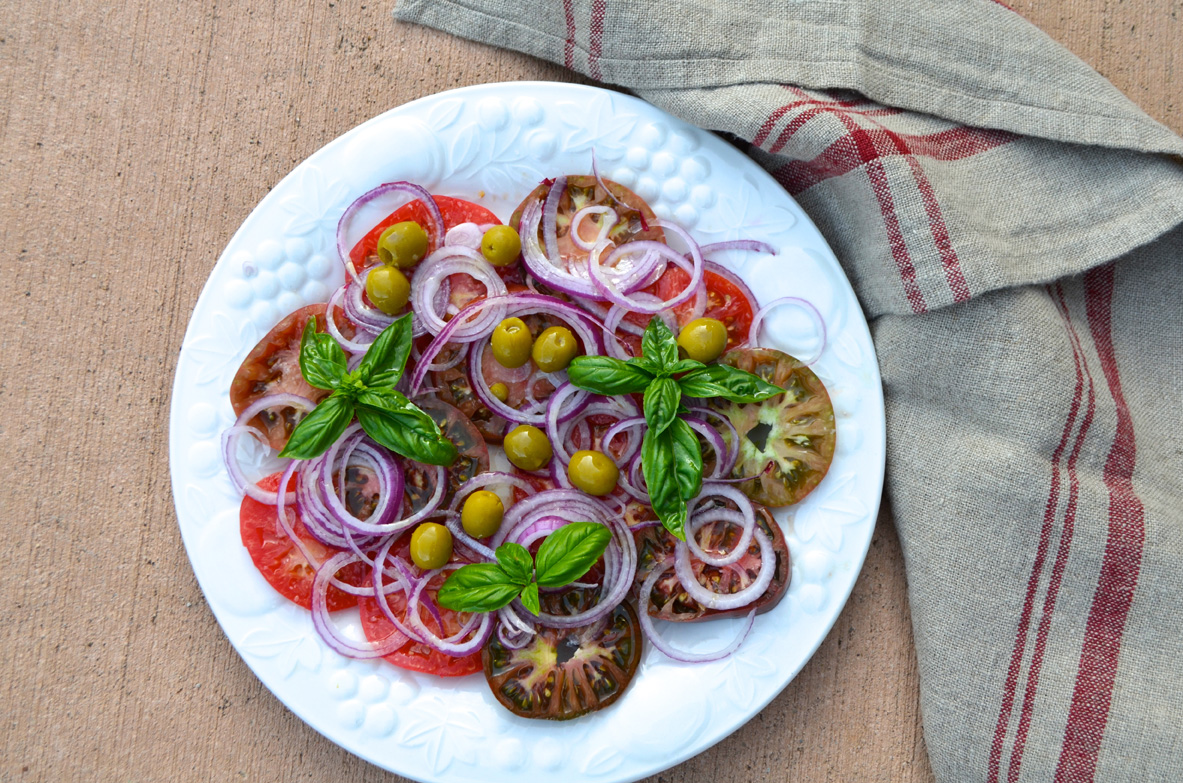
x,y
492,144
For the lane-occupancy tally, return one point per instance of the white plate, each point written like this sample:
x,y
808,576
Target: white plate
x,y
492,144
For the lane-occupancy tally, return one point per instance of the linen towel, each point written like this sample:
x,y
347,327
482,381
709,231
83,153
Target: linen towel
x,y
1010,223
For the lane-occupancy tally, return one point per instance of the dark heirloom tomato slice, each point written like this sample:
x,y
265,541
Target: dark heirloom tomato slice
x,y
473,456
668,601
418,656
281,562
636,219
273,367
789,439
564,673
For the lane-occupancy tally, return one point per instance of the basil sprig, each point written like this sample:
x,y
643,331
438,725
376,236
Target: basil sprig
x,y
564,556
368,392
671,457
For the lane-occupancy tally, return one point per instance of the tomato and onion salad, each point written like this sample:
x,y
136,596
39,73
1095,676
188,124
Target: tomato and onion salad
x,y
597,262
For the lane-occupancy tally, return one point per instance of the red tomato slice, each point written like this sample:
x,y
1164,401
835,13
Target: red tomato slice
x,y
725,302
453,210
417,656
281,562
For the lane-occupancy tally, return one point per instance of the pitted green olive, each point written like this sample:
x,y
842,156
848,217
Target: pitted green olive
x,y
403,244
527,447
554,349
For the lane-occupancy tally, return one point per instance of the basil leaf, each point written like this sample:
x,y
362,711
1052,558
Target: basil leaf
x,y
607,375
322,362
515,560
568,553
530,599
730,383
387,356
658,344
480,587
687,459
657,465
661,403
317,431
398,424
685,365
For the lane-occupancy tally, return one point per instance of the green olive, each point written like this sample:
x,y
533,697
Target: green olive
x,y
501,245
431,546
511,343
403,244
703,339
500,391
482,514
593,472
388,289
527,447
554,349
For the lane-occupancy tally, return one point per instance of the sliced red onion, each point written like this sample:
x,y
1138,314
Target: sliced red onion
x,y
804,304
352,346
617,291
712,436
745,517
348,235
660,643
465,541
605,225
548,267
434,270
549,215
525,414
620,558
230,443
465,235
724,602
328,630
447,645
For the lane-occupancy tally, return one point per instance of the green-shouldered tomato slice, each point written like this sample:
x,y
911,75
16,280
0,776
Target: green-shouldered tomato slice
x,y
564,673
788,440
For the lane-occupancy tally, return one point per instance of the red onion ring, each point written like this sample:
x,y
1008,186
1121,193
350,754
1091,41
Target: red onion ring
x,y
434,270
240,427
712,600
697,518
804,304
345,242
328,630
660,643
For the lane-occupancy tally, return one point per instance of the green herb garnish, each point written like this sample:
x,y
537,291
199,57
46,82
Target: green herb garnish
x,y
564,556
368,392
671,457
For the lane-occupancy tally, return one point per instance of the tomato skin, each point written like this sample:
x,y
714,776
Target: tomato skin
x,y
281,562
417,656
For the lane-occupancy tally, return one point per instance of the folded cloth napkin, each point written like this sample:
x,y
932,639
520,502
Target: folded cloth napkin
x,y
1010,223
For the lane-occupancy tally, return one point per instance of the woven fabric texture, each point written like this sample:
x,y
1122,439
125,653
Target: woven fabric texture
x,y
1009,222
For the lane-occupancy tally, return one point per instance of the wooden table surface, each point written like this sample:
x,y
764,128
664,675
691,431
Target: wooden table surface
x,y
134,138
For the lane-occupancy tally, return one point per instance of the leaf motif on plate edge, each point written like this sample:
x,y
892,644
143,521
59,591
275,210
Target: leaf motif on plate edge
x,y
289,651
315,206
443,114
840,507
444,734
601,761
216,353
